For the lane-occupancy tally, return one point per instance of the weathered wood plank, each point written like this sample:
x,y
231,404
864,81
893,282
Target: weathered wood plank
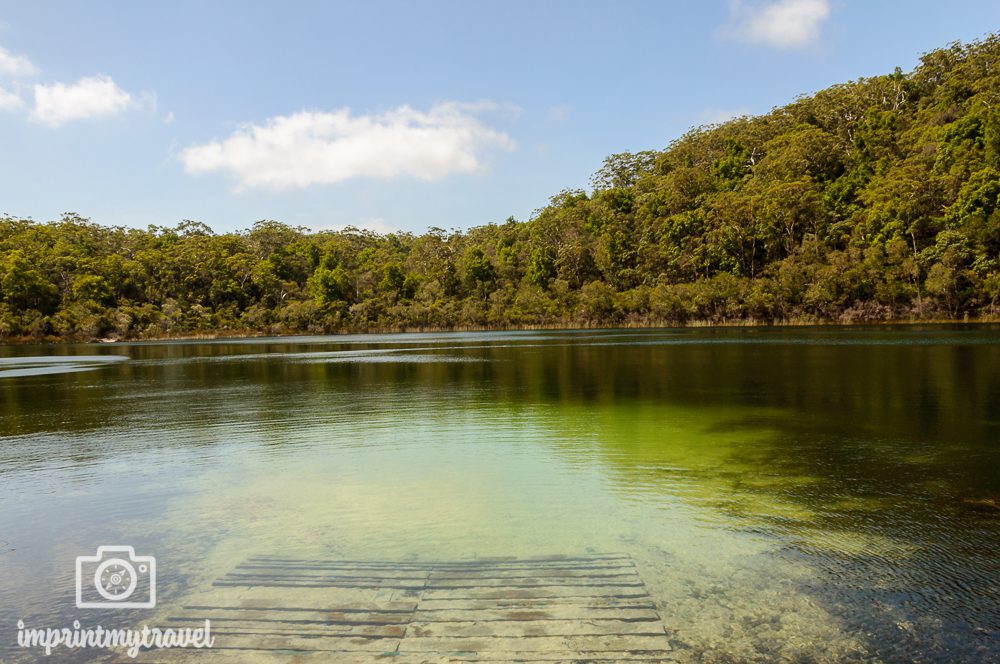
x,y
328,643
619,592
285,614
459,566
557,608
623,582
273,626
529,573
254,656
314,580
324,574
547,612
443,567
292,583
474,604
593,657
434,575
310,598
456,569
410,574
251,656
222,628
451,563
536,628
579,643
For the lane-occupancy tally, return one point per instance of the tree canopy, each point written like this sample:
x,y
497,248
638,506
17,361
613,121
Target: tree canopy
x,y
872,200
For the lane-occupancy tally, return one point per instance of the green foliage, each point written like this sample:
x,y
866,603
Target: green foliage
x,y
23,286
541,268
623,170
735,165
479,272
90,287
330,286
876,199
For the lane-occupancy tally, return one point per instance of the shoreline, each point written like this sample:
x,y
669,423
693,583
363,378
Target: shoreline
x,y
219,335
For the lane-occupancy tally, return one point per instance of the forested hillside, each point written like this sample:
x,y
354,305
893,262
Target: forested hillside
x,y
873,200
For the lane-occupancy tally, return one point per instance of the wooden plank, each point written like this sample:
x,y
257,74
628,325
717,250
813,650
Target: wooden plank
x,y
271,626
415,576
437,567
310,630
444,567
327,643
310,598
557,608
451,563
579,643
256,656
530,573
534,582
249,656
540,603
549,612
408,579
405,570
533,628
313,581
619,592
307,583
443,572
347,572
521,657
284,614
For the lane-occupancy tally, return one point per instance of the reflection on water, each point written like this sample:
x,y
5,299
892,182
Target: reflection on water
x,y
17,367
804,494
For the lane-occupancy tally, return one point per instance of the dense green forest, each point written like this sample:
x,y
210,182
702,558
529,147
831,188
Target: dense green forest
x,y
869,201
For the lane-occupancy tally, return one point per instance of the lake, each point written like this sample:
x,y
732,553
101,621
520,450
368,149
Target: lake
x,y
807,494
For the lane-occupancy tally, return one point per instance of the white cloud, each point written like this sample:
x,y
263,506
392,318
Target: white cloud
x,y
720,115
779,23
313,147
96,96
10,101
169,118
15,65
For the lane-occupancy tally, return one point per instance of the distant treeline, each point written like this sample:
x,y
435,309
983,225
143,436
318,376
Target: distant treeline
x,y
873,200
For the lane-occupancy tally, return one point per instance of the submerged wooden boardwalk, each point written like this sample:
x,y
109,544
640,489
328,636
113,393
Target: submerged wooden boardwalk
x,y
592,608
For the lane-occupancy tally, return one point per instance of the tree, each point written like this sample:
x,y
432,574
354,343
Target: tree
x,y
331,286
479,273
624,169
870,200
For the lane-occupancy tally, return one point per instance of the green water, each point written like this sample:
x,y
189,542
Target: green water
x,y
797,494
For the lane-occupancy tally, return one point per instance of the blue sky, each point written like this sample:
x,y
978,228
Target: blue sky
x,y
399,115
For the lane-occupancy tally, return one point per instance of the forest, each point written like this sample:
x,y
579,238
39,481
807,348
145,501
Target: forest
x,y
874,200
